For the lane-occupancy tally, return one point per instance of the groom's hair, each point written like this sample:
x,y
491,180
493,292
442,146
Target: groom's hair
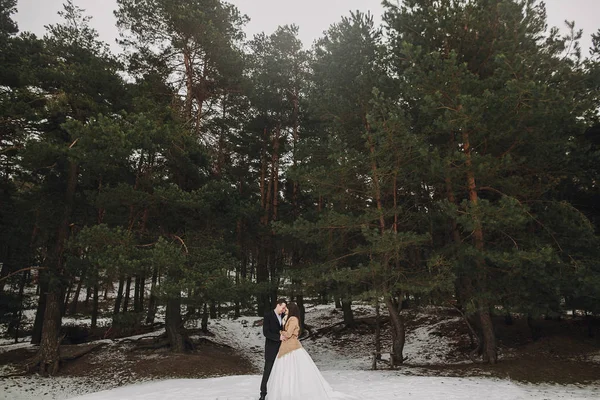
x,y
281,301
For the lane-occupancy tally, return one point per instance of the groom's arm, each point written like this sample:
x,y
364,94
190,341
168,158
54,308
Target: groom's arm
x,y
268,331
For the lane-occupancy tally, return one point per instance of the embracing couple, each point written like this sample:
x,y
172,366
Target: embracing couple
x,y
290,373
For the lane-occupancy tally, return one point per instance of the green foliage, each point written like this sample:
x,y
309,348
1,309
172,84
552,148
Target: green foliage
x,y
451,154
7,25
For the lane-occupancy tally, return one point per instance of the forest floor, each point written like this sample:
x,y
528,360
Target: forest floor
x,y
437,345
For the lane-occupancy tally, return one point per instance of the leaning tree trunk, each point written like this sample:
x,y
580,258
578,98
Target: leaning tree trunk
x,y
173,324
398,332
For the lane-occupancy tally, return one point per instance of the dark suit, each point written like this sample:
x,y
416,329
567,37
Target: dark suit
x,y
271,330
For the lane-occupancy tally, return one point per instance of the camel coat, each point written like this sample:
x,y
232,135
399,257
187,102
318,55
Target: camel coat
x,y
290,331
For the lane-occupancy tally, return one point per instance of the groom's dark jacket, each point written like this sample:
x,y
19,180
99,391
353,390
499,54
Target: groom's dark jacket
x,y
271,330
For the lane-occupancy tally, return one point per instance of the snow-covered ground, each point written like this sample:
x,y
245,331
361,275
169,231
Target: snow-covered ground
x,y
424,345
382,385
344,359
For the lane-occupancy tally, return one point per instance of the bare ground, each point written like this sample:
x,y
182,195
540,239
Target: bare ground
x,y
124,363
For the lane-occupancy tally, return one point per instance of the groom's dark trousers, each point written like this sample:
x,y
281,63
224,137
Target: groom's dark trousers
x,y
271,330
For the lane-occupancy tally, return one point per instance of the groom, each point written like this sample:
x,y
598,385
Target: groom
x,y
272,326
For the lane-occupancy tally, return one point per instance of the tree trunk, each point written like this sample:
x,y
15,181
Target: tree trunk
x,y
136,294
398,332
49,354
95,307
142,293
73,308
535,329
377,331
189,83
262,265
4,271
88,294
50,357
152,301
65,302
204,323
300,303
36,335
275,172
236,303
262,278
126,295
213,310
19,313
489,338
274,275
490,353
173,324
119,298
348,314
324,298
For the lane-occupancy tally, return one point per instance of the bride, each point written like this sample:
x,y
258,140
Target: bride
x,y
295,376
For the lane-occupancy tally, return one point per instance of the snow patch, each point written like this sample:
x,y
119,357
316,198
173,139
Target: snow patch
x,y
381,385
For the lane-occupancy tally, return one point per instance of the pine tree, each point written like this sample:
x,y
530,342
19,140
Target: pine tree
x,y
77,82
362,172
277,66
496,99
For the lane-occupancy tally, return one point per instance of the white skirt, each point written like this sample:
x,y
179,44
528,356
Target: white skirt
x,y
296,377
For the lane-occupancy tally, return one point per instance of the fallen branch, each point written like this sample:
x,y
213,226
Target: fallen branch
x,y
21,270
129,340
21,373
154,346
340,326
66,353
78,351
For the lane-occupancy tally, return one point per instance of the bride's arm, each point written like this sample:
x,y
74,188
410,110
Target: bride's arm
x,y
292,328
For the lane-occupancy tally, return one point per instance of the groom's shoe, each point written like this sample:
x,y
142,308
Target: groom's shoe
x,y
262,397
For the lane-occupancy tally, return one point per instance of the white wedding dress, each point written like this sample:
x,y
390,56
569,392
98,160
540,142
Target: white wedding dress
x,y
296,377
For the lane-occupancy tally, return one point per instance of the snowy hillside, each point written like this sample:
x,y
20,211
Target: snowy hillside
x,y
433,340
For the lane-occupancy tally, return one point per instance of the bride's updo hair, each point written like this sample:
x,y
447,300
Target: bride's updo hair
x,y
294,311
